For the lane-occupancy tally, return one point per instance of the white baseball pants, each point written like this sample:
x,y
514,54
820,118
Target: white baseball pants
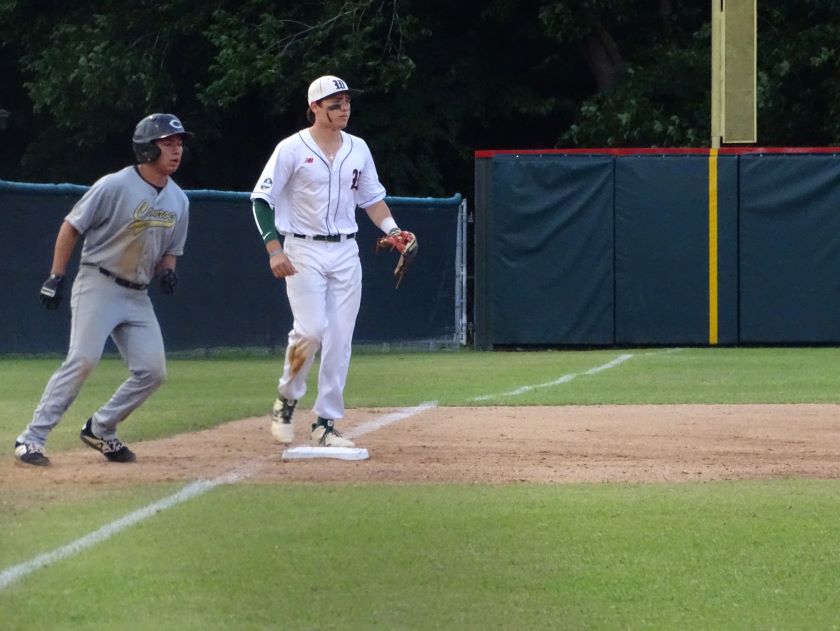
x,y
324,297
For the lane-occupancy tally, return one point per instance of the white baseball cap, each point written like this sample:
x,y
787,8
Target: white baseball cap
x,y
324,86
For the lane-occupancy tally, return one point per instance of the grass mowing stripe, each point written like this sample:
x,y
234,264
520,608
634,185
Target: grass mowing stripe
x,y
729,555
17,572
564,379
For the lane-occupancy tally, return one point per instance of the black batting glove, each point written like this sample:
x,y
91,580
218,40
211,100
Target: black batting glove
x,y
168,281
52,292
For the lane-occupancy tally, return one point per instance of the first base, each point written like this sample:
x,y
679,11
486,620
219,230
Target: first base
x,y
342,453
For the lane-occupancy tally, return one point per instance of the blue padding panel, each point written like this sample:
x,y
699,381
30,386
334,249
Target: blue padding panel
x,y
790,249
662,249
549,257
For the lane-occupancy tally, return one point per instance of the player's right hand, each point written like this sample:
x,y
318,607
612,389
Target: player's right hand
x,y
168,281
281,266
52,292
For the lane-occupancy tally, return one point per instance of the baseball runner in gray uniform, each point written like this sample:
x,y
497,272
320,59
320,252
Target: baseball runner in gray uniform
x,y
307,197
134,224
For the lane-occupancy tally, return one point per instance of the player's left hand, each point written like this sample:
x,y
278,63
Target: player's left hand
x,y
52,291
403,242
168,281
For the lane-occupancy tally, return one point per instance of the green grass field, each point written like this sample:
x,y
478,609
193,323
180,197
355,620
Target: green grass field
x,y
727,555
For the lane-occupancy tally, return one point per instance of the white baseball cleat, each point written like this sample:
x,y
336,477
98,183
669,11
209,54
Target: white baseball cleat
x,y
325,434
282,432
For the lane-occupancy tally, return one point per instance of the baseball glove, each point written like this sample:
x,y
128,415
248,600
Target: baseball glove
x,y
403,242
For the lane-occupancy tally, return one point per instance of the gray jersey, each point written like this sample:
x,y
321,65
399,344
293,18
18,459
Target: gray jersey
x,y
128,226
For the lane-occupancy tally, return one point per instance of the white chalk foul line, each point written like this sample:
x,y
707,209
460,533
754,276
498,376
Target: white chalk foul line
x,y
564,379
195,489
384,421
16,572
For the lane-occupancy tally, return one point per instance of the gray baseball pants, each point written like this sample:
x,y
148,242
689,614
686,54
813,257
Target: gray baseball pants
x,y
101,308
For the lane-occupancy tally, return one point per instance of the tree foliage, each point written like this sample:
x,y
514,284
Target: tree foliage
x,y
651,64
799,73
440,79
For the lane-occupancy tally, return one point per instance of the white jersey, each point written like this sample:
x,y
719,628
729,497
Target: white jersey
x,y
129,226
311,197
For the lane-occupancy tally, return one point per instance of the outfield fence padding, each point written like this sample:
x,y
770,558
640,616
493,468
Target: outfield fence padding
x,y
657,247
227,297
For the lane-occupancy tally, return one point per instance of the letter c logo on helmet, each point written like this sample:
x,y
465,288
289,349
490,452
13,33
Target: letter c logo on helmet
x,y
154,127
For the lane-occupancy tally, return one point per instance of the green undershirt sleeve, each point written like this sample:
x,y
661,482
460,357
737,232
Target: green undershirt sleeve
x,y
264,216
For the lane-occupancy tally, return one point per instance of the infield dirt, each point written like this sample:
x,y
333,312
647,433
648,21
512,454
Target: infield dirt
x,y
493,445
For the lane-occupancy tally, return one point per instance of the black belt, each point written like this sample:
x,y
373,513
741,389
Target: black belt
x,y
332,238
121,281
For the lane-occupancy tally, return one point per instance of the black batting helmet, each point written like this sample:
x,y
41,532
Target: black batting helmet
x,y
154,127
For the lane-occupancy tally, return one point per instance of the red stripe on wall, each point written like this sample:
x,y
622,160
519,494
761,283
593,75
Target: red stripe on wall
x,y
700,151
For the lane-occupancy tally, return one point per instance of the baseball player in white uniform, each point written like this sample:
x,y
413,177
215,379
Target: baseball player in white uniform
x,y
134,224
305,208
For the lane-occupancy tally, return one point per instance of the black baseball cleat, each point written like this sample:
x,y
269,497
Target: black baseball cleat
x,y
113,448
30,453
283,409
324,433
288,409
